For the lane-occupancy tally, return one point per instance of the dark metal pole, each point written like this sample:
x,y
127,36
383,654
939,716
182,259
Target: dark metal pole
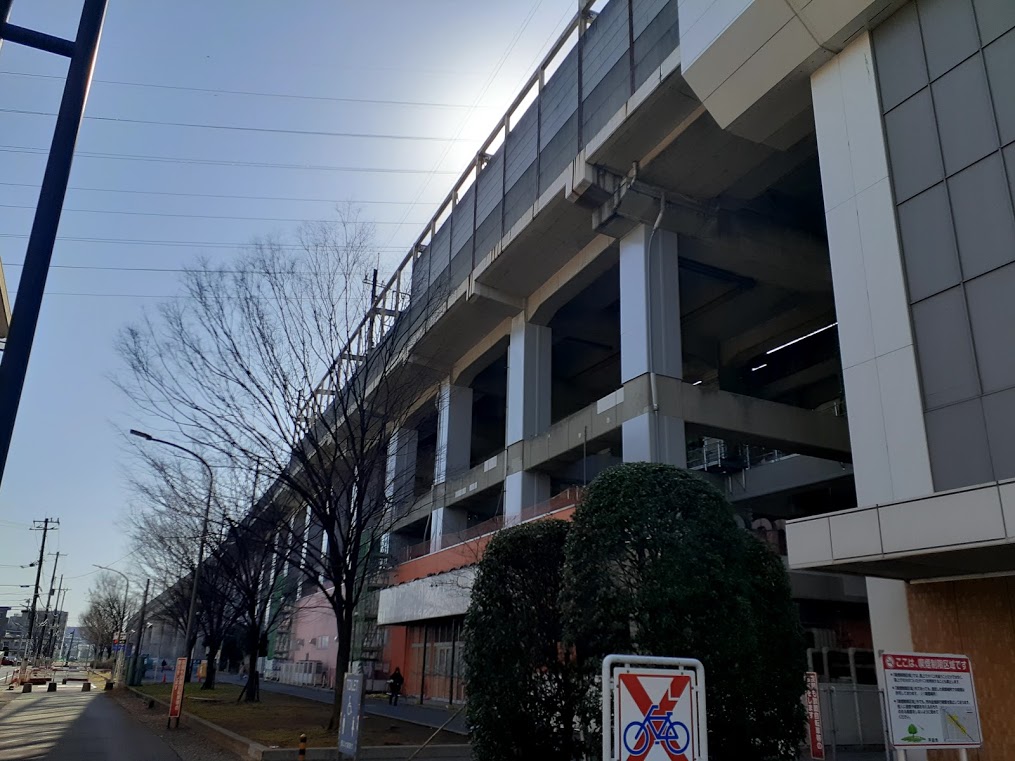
x,y
38,579
25,317
5,11
40,647
132,677
422,671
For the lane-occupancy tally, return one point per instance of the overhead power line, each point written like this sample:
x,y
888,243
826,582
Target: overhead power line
x,y
240,128
192,216
131,191
183,243
220,162
251,93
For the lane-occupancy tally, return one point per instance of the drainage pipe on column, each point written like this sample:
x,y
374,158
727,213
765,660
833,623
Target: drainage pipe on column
x,y
653,387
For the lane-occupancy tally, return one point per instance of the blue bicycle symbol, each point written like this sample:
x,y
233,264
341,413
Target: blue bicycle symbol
x,y
656,727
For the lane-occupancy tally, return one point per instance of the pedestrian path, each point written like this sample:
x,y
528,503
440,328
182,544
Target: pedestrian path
x,y
70,725
407,709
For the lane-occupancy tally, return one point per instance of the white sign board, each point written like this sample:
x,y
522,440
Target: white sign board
x,y
653,709
931,701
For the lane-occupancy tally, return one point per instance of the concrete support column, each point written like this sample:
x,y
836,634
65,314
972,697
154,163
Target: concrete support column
x,y
886,424
650,339
524,489
528,380
445,521
454,431
400,473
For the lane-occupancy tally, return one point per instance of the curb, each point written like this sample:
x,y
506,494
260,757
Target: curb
x,y
247,748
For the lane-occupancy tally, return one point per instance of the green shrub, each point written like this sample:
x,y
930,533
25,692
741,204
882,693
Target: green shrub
x,y
656,565
521,684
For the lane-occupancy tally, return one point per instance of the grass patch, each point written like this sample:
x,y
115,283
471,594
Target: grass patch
x,y
279,719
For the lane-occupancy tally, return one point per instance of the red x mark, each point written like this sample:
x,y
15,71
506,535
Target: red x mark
x,y
658,717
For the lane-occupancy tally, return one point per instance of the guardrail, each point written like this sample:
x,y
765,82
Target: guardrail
x,y
567,498
393,297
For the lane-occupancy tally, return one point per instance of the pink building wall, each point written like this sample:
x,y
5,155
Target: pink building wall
x,y
314,634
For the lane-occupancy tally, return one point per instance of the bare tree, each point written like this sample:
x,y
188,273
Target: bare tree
x,y
237,367
105,613
166,528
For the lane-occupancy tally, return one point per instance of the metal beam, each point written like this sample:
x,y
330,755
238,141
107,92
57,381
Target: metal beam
x,y
25,318
38,40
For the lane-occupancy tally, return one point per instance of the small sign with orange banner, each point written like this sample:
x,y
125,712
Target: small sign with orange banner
x,y
812,701
176,700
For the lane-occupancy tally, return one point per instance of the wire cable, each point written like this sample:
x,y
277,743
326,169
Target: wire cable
x,y
251,93
131,191
240,128
219,162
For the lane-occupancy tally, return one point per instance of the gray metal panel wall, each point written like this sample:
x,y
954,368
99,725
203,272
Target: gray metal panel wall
x,y
946,74
440,251
606,68
559,99
659,37
420,274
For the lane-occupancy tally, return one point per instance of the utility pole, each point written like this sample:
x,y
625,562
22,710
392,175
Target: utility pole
x,y
44,528
132,676
61,595
70,647
39,649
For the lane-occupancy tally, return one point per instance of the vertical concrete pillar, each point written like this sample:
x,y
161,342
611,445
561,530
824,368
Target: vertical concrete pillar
x,y
649,304
886,425
443,522
528,380
650,339
521,490
400,472
454,431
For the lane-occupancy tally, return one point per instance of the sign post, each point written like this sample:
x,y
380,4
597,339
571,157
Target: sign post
x,y
176,699
352,708
653,709
931,701
812,702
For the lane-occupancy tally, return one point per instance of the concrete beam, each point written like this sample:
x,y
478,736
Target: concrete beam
x,y
571,279
722,413
741,242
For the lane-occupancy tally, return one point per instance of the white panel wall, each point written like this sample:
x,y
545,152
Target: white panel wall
x,y
882,390
887,435
734,52
446,594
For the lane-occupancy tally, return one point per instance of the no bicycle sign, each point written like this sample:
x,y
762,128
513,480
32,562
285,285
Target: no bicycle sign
x,y
653,709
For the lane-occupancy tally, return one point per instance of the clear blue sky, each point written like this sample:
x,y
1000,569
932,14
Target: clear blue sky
x,y
67,458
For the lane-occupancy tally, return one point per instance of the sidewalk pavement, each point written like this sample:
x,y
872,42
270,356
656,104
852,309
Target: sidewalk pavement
x,y
71,725
407,709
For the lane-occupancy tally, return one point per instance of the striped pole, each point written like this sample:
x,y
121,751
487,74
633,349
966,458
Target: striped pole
x,y
302,755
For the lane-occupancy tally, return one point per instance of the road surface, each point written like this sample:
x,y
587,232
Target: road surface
x,y
70,725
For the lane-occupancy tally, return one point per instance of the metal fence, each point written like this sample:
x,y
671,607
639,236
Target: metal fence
x,y
852,718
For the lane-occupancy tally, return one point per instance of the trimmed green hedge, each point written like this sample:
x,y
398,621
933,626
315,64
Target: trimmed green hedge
x,y
656,565
653,564
522,686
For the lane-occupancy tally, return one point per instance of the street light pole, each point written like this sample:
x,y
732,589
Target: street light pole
x,y
204,537
118,671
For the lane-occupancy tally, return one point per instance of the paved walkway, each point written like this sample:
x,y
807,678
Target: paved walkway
x,y
406,710
70,725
